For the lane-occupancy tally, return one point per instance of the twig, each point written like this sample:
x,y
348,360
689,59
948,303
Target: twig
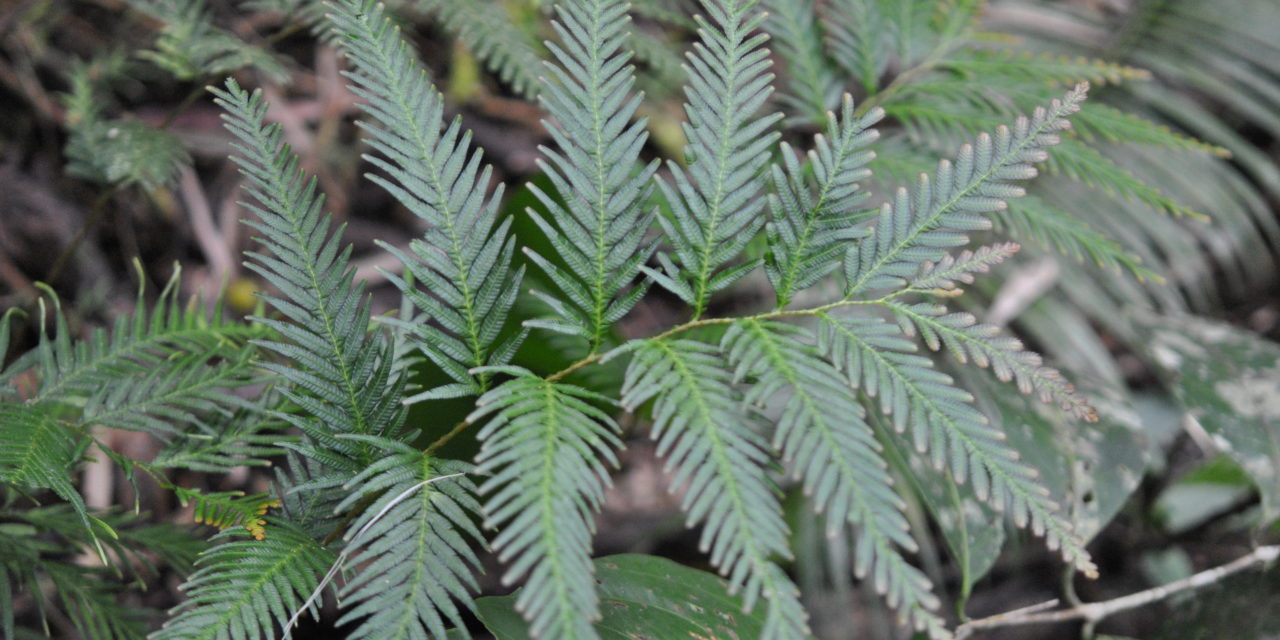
x,y
1093,612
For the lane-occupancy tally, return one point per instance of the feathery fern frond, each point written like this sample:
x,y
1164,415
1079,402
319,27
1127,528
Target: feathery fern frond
x,y
967,339
707,437
1032,218
857,40
244,437
984,65
812,84
545,449
945,276
191,47
715,202
244,589
822,433
808,233
939,213
488,29
463,261
226,509
1103,122
341,373
413,547
876,357
38,451
599,230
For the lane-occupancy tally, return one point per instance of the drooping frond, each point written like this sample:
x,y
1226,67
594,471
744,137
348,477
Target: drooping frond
x,y
1088,165
715,202
190,47
226,509
1031,218
939,212
38,451
980,66
464,261
1097,121
969,340
245,589
821,432
875,356
809,232
247,436
487,28
598,223
812,86
546,449
710,442
412,545
340,373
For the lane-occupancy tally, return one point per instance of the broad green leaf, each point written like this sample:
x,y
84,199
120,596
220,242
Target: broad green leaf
x,y
645,598
1228,379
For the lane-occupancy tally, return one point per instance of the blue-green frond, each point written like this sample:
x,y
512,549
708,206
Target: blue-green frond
x,y
715,201
944,277
462,266
546,450
879,359
941,211
1033,219
711,444
812,85
822,434
811,227
488,29
246,589
413,545
339,373
598,223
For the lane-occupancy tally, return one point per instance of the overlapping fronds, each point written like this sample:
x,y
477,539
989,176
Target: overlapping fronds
x,y
190,46
488,29
339,373
226,509
413,545
877,357
247,436
1032,218
710,442
37,451
246,589
982,65
716,201
855,31
546,449
810,231
812,85
822,434
944,277
598,223
939,213
462,265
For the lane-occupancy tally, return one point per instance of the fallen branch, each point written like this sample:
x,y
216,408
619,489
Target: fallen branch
x,y
1091,613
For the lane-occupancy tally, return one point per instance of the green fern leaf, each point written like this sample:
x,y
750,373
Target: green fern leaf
x,y
809,233
417,559
983,66
545,448
945,276
940,212
464,261
877,358
1031,218
244,589
715,203
710,443
488,28
856,39
38,451
822,434
599,230
811,80
341,376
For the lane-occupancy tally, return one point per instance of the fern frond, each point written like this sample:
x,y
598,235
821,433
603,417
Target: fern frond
x,y
1103,122
876,357
245,589
341,373
93,604
1089,166
709,441
808,232
489,31
969,340
38,451
822,433
811,80
1031,218
945,276
463,261
190,47
545,449
939,213
715,203
857,39
245,437
599,230
414,551
226,509
984,65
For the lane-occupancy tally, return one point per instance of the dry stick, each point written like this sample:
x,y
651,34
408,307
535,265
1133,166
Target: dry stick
x,y
1093,612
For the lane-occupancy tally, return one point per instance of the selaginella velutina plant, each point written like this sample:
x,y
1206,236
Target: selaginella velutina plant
x,y
732,400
